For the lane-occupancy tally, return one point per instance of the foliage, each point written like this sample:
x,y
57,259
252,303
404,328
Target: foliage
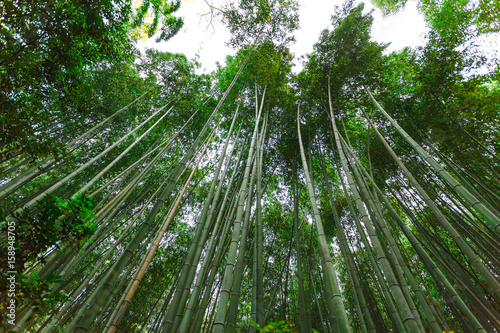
x,y
483,13
46,47
280,326
162,20
39,292
389,7
56,223
343,56
255,21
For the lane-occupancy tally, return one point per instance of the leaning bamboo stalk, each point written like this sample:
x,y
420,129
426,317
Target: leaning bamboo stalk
x,y
21,180
388,244
217,248
127,190
447,288
304,319
78,171
104,229
111,316
101,261
312,288
397,258
395,288
476,262
45,165
83,167
12,168
259,228
156,243
429,263
280,278
159,314
93,308
166,145
379,221
253,309
123,153
492,195
467,184
257,278
178,303
202,274
100,124
205,225
365,319
224,244
491,218
389,303
220,316
468,225
240,263
478,142
72,326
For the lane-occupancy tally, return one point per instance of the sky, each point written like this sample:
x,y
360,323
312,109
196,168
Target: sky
x,y
198,37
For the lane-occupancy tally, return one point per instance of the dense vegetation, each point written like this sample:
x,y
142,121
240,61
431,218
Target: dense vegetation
x,y
359,195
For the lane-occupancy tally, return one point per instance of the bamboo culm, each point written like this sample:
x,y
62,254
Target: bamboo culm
x,y
335,303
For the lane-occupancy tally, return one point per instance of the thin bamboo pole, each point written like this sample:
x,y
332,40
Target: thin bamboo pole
x,y
156,243
490,217
429,263
335,304
466,249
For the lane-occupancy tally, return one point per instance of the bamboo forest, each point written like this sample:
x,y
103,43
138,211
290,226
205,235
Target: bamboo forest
x,y
360,193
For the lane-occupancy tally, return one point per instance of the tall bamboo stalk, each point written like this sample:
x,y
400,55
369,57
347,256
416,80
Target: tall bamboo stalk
x,y
490,217
335,303
395,288
476,262
220,317
176,308
156,243
448,289
240,263
304,318
364,315
87,318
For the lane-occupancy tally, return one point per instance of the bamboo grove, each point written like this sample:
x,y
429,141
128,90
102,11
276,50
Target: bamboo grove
x,y
360,195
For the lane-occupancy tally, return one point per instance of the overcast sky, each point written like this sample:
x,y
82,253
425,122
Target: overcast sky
x,y
407,28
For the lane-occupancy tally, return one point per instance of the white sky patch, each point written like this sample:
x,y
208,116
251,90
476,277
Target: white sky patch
x,y
407,28
197,37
